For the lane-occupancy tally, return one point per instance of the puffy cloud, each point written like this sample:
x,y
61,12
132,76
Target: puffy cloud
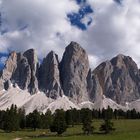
x,y
44,25
35,24
115,29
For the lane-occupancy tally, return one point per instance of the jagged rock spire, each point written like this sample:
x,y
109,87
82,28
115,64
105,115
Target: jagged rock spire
x,y
74,72
49,77
119,79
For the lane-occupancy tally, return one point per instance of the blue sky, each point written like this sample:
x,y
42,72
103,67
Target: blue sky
x,y
3,58
76,17
103,28
118,1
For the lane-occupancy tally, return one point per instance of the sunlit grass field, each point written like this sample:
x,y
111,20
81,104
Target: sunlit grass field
x,y
125,130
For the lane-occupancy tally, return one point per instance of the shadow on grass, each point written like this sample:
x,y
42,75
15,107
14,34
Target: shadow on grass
x,y
65,135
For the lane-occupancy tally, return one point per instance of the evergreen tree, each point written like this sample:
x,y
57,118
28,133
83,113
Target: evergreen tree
x,y
33,120
128,114
59,123
116,114
107,126
11,119
2,114
46,120
95,114
22,118
70,117
133,114
87,121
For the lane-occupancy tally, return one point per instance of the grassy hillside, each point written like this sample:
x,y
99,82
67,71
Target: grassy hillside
x,y
125,130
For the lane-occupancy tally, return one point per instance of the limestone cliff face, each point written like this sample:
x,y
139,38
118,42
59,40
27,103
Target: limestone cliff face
x,y
49,76
119,79
21,69
22,74
74,72
33,63
6,73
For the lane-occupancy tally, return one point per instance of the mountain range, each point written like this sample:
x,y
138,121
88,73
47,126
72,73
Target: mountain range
x,y
69,83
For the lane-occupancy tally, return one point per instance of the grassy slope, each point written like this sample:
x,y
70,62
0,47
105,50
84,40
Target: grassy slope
x,y
125,130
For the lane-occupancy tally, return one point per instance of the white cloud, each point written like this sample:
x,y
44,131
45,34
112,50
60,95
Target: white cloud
x,y
115,28
43,18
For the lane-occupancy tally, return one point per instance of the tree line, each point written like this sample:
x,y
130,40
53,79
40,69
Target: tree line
x,y
14,119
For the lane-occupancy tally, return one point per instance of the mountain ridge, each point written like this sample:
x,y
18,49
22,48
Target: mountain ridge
x,y
115,82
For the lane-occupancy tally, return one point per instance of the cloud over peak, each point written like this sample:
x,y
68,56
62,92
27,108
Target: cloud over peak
x,y
104,30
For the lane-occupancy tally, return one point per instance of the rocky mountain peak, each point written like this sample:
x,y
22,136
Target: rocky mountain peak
x,y
74,71
49,76
121,56
52,56
9,69
10,64
31,55
32,58
119,79
123,61
21,69
74,47
13,55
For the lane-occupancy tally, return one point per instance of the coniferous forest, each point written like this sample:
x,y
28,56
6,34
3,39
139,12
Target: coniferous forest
x,y
15,119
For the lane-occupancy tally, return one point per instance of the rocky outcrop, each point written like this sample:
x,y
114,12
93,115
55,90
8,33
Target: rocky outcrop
x,y
33,63
6,73
119,79
22,74
20,69
95,92
49,77
74,72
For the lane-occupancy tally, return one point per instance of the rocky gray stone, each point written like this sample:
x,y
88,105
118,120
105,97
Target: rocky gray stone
x,y
22,74
33,63
20,69
95,91
74,72
119,79
49,76
10,67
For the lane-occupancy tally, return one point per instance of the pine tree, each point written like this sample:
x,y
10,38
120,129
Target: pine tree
x,y
59,123
133,114
46,120
87,121
70,117
22,118
11,119
107,126
2,114
116,114
33,120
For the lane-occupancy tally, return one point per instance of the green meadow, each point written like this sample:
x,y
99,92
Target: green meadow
x,y
125,130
